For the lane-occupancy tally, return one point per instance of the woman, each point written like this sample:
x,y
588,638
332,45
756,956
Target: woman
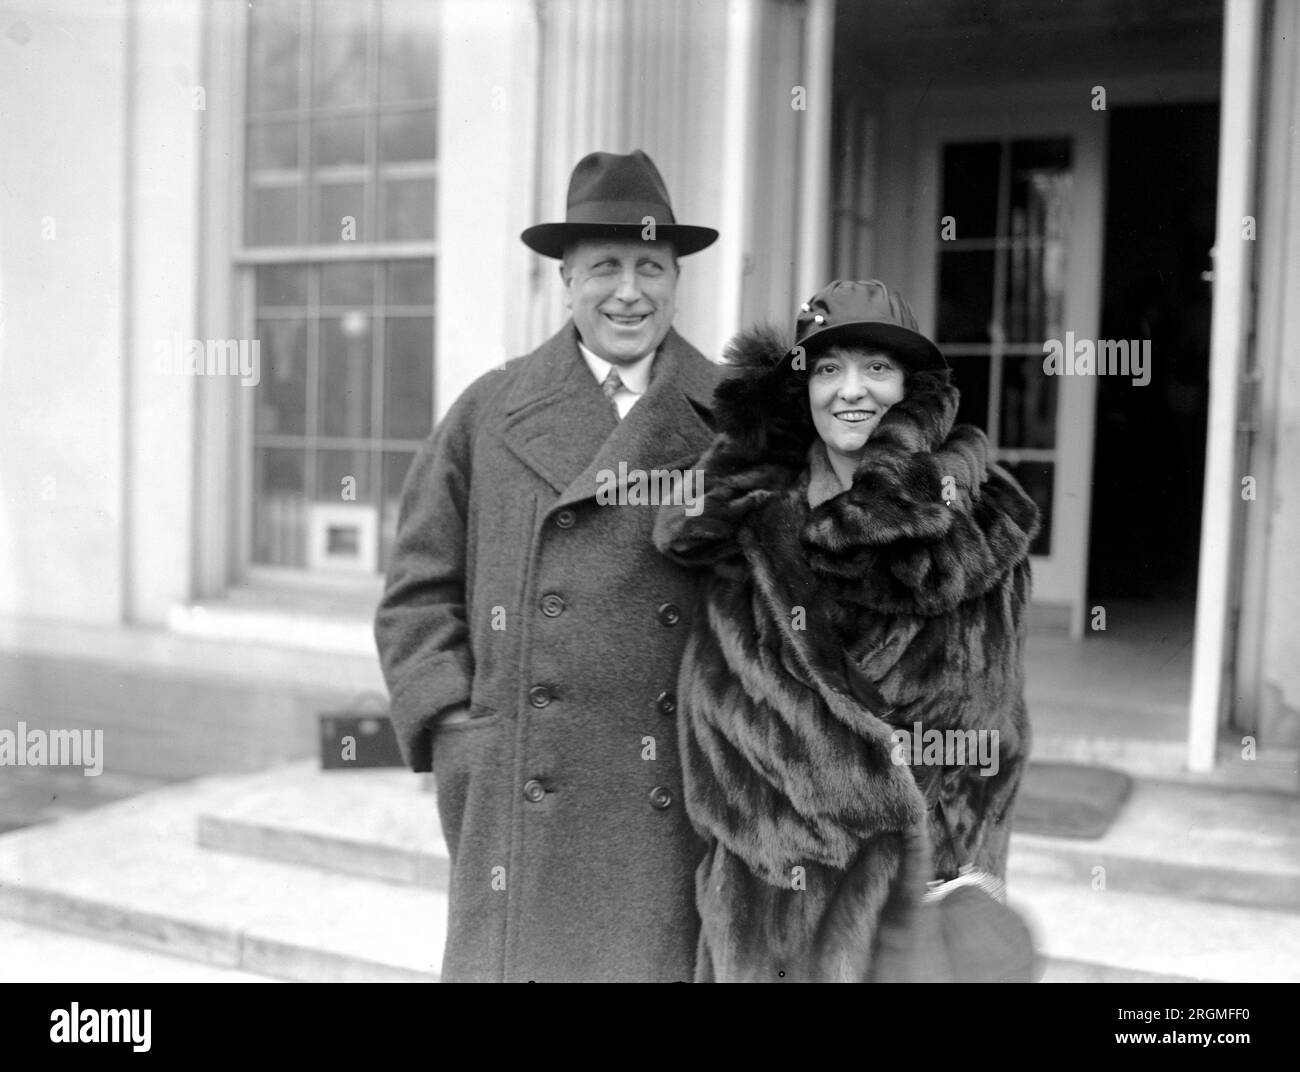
x,y
869,574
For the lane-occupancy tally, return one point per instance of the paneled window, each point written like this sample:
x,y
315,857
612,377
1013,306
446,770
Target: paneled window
x,y
1001,284
338,235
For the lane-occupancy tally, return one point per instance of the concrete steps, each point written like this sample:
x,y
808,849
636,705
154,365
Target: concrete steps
x,y
1191,882
134,872
1228,846
302,874
375,824
35,954
1111,936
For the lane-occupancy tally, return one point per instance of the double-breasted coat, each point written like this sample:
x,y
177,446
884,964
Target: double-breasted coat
x,y
551,615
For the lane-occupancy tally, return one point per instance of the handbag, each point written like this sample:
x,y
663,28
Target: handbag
x,y
958,931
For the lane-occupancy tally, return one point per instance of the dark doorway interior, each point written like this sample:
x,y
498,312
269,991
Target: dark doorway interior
x,y
1149,457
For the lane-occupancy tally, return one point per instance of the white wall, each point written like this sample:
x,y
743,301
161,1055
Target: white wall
x,y
62,78
98,198
1270,639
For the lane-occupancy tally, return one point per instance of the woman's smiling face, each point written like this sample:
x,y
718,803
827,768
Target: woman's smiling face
x,y
849,389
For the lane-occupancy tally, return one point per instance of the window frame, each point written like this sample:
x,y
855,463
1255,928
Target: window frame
x,y
224,467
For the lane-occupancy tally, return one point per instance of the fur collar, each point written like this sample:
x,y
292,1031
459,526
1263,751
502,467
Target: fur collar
x,y
928,522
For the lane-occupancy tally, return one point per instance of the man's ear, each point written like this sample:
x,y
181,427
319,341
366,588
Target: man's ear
x,y
565,276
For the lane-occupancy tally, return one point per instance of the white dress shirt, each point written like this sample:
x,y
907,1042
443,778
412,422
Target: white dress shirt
x,y
635,377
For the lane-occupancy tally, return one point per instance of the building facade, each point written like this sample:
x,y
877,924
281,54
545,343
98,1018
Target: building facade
x,y
250,253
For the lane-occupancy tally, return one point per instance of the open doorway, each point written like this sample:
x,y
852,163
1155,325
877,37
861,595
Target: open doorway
x,y
1149,450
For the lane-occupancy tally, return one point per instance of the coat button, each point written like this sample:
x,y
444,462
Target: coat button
x,y
660,797
552,605
539,696
669,614
666,702
565,518
534,791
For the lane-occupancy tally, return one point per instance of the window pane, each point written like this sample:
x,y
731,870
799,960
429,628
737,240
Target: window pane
x,y
347,284
396,466
409,136
341,47
333,467
1041,186
1039,154
408,65
338,141
1028,404
279,513
282,391
340,216
970,188
272,146
274,57
408,209
272,217
971,378
346,346
408,377
410,283
346,154
397,463
965,296
1038,479
282,285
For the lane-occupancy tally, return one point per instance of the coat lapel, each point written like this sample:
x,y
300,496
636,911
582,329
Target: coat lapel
x,y
556,417
664,430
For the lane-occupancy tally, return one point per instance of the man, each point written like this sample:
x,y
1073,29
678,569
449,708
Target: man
x,y
530,633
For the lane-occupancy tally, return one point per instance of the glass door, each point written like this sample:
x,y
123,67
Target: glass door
x,y
1013,264
1001,293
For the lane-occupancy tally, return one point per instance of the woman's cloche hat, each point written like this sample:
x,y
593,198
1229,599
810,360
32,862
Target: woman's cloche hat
x,y
865,312
611,196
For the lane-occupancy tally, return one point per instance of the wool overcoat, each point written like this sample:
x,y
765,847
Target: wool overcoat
x,y
513,590
896,604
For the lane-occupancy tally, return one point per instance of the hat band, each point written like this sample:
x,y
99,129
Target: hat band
x,y
621,213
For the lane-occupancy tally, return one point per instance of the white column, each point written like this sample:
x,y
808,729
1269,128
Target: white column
x,y
737,160
1231,310
486,121
161,239
815,148
640,74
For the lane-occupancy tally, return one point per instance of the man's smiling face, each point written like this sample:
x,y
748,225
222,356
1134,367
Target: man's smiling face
x,y
622,294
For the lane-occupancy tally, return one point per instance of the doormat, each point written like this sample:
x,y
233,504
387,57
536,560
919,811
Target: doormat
x,y
1070,800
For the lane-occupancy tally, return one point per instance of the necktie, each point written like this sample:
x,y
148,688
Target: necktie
x,y
611,383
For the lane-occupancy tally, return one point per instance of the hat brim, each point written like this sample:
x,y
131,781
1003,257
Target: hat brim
x,y
552,239
911,347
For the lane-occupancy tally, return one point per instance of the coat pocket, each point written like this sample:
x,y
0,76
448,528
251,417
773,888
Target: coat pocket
x,y
459,749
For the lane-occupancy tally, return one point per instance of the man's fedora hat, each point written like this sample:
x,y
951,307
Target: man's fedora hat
x,y
610,196
864,312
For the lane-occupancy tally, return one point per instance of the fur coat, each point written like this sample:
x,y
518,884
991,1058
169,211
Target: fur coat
x,y
824,632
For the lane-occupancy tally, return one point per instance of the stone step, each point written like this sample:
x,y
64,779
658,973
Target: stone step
x,y
1064,970
1219,845
1172,838
138,872
1270,769
372,823
35,954
1109,935
134,873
